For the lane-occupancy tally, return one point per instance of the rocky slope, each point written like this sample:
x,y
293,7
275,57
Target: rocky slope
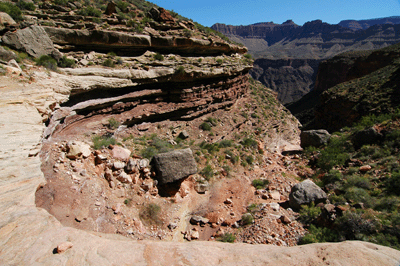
x,y
95,198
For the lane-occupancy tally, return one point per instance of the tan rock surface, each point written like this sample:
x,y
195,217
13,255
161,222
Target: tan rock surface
x,y
30,236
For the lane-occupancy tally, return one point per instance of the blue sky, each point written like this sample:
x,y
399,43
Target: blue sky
x,y
235,12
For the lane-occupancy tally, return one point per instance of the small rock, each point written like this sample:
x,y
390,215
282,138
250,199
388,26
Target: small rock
x,y
118,165
198,220
64,247
172,226
202,187
131,166
117,208
194,234
228,201
365,168
183,135
120,153
124,178
275,206
284,219
144,163
275,195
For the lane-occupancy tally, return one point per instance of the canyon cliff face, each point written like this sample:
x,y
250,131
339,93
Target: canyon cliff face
x,y
349,86
290,78
312,42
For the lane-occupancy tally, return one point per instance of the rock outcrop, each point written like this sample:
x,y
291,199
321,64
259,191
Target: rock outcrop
x,y
174,166
306,192
314,138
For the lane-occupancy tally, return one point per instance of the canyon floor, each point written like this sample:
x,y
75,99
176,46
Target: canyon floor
x,y
30,235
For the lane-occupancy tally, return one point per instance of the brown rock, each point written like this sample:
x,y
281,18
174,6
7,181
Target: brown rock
x,y
120,153
64,246
284,219
365,168
165,16
110,9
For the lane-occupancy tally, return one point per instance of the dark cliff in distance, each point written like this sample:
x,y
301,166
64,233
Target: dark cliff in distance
x,y
366,23
313,40
274,44
290,78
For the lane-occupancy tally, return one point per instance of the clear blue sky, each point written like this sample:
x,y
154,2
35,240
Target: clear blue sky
x,y
242,12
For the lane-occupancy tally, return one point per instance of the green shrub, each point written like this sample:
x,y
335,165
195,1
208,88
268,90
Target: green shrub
x,y
90,11
205,126
65,62
225,143
247,218
11,9
260,183
207,172
249,159
318,235
150,214
156,146
113,123
308,214
180,70
393,183
47,61
227,237
354,226
158,57
122,5
100,142
26,5
248,56
358,195
249,142
109,63
220,61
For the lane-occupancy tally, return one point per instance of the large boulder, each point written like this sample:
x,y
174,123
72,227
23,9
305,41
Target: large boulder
x,y
314,138
33,40
305,193
7,55
366,136
175,165
5,20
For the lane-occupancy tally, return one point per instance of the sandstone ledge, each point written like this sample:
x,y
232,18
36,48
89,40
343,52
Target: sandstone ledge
x,y
29,235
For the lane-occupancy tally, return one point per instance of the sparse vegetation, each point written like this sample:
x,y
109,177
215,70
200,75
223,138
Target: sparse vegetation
x,y
260,183
100,142
150,214
113,123
227,237
48,62
12,10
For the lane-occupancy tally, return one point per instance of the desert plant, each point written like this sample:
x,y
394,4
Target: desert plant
x,y
158,56
247,218
260,183
150,214
100,142
12,10
180,70
90,11
26,5
47,61
207,172
205,126
109,63
227,237
66,62
113,123
308,214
